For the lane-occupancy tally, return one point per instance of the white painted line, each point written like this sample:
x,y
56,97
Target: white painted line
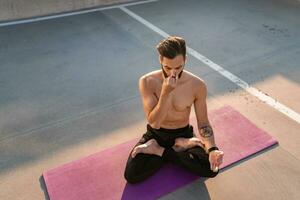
x,y
255,92
71,13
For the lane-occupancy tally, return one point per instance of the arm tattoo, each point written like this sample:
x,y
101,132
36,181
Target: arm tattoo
x,y
206,131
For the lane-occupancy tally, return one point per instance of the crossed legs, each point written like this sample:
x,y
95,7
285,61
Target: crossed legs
x,y
143,165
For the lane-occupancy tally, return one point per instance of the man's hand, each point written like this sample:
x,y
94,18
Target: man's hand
x,y
170,83
215,159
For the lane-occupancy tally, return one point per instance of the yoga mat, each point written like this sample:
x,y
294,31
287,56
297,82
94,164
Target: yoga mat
x,y
100,176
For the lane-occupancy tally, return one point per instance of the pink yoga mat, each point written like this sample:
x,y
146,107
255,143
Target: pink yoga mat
x,y
100,176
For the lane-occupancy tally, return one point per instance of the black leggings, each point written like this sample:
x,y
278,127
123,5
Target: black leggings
x,y
143,165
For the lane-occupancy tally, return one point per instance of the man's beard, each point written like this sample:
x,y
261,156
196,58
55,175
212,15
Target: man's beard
x,y
166,75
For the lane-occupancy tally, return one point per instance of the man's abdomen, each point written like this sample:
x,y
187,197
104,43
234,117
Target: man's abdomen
x,y
176,119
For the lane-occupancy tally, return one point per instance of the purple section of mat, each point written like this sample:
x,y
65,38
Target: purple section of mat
x,y
166,180
100,176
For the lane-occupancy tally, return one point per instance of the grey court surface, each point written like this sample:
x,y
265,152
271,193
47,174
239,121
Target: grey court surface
x,y
68,88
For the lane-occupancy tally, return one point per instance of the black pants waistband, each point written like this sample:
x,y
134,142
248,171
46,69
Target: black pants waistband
x,y
165,130
166,137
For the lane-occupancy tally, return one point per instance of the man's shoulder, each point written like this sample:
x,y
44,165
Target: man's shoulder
x,y
198,85
150,79
151,76
196,80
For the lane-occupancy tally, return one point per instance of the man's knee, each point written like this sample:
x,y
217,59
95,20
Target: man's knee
x,y
131,173
130,177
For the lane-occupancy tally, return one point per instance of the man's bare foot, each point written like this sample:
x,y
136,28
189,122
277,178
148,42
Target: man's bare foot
x,y
182,144
150,147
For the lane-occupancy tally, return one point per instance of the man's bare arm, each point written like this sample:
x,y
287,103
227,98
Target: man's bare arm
x,y
156,109
204,127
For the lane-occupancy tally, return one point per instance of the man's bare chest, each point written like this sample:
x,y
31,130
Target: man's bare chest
x,y
181,98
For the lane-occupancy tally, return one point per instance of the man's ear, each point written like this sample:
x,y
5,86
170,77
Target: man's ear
x,y
186,57
160,58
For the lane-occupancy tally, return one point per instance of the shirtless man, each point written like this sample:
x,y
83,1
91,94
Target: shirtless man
x,y
168,95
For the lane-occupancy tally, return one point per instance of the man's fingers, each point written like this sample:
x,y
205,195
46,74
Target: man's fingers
x,y
201,144
216,160
213,165
215,169
174,79
220,160
171,80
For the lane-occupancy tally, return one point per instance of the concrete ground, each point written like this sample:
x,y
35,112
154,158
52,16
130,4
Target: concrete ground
x,y
69,84
20,9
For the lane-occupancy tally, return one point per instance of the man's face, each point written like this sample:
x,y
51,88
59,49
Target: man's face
x,y
172,67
